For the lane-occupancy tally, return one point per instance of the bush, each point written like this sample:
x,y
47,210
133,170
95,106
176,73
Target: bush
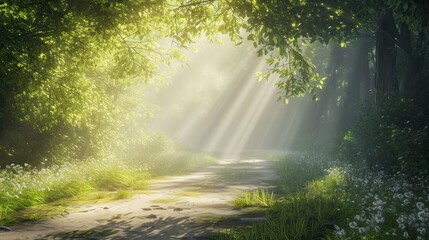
x,y
296,171
394,136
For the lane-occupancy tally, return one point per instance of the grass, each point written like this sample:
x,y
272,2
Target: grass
x,y
24,187
308,210
178,163
123,194
258,197
62,206
39,212
326,199
297,171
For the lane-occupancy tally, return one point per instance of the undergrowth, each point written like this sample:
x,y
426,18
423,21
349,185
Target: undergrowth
x,y
326,199
22,187
257,198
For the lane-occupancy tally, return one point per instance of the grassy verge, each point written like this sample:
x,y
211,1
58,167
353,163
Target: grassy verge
x,y
28,193
324,199
255,198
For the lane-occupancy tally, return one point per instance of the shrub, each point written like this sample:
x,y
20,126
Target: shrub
x,y
394,136
296,171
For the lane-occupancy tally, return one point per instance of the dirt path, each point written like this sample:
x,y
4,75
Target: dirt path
x,y
181,207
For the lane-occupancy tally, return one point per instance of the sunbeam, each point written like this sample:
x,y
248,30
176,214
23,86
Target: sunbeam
x,y
222,130
216,105
249,117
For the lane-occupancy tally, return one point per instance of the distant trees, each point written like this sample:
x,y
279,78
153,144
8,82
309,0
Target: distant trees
x,y
384,50
66,64
278,28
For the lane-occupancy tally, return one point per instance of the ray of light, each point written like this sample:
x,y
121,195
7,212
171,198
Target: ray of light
x,y
238,117
188,130
226,122
250,118
289,131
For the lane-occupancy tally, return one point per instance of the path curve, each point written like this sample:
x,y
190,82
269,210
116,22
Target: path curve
x,y
152,216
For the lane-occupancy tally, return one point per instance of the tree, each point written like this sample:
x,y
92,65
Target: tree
x,y
64,65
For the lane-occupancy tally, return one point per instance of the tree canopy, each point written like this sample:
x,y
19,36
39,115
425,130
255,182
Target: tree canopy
x,y
66,64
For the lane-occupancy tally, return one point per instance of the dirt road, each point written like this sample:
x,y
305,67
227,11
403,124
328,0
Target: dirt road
x,y
191,206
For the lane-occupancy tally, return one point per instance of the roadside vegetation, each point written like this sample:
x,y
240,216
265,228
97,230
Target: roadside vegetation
x,y
74,114
330,199
25,190
255,198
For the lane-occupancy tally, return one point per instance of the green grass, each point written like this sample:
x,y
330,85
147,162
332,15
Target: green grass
x,y
326,199
176,163
258,197
308,209
24,187
123,194
296,172
39,212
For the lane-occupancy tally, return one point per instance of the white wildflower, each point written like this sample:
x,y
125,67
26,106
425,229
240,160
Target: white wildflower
x,y
421,230
353,224
406,235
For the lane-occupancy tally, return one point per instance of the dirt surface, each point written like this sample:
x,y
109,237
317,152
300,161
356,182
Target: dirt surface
x,y
191,206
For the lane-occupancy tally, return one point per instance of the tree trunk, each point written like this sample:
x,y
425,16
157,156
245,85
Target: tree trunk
x,y
367,44
328,97
385,80
357,79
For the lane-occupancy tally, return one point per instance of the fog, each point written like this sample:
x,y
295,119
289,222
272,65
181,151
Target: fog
x,y
214,103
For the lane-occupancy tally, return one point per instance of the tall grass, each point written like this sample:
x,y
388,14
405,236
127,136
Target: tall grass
x,y
258,197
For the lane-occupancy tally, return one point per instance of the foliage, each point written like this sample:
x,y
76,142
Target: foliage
x,y
66,65
347,202
308,212
258,197
394,136
24,186
122,194
384,206
291,182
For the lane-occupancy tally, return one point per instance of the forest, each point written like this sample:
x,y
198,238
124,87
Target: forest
x,y
325,102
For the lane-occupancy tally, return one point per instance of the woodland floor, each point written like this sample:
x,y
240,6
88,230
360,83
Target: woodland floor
x,y
192,206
